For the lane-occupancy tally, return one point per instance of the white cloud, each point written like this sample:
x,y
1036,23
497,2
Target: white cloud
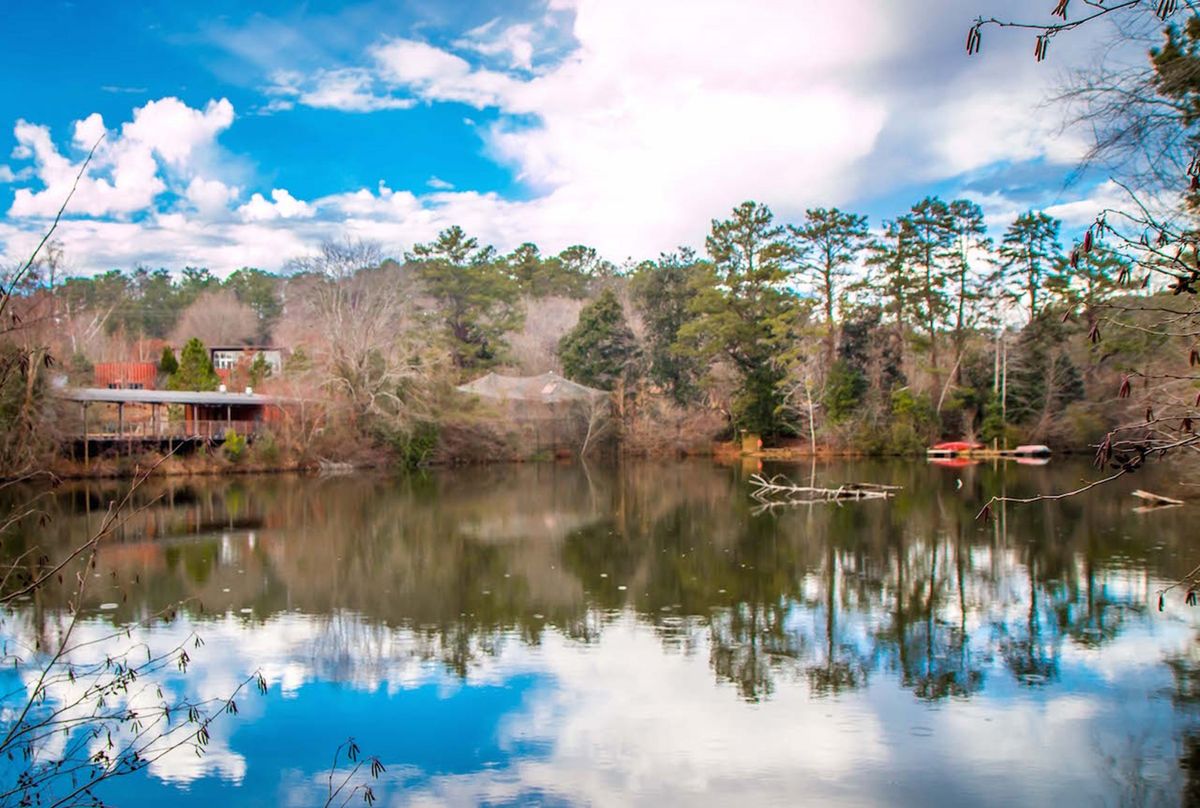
x,y
282,206
515,42
344,89
656,118
165,139
210,196
438,75
439,184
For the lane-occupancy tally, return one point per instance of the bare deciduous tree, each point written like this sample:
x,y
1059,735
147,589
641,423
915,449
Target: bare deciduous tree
x,y
217,318
371,345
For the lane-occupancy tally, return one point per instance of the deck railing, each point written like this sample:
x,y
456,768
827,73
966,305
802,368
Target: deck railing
x,y
165,429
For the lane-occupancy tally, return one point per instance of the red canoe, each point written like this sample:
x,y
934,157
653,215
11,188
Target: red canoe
x,y
957,446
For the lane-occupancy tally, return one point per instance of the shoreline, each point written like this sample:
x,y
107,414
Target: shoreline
x,y
130,466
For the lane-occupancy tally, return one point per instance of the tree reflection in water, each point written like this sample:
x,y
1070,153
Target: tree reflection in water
x,y
824,597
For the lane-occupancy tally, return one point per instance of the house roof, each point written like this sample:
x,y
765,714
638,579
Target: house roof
x,y
103,395
212,348
548,388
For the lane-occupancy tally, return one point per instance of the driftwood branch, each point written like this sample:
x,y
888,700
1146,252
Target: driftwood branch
x,y
1156,499
779,490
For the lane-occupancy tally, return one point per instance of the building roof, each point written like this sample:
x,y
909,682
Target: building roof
x,y
212,348
102,395
548,388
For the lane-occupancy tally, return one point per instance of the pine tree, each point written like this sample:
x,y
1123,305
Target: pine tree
x,y
475,295
1029,253
259,369
930,234
744,311
195,371
168,364
663,291
971,248
827,246
601,350
890,281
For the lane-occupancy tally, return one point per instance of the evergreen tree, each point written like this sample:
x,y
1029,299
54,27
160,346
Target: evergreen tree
x,y
582,262
193,282
259,369
890,281
168,364
475,295
827,246
1094,279
601,350
195,371
971,247
1042,379
930,237
663,291
260,291
1029,253
543,277
744,311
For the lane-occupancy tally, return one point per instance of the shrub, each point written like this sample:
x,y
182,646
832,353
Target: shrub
x,y
266,448
414,447
234,446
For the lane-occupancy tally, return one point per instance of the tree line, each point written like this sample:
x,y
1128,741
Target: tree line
x,y
860,338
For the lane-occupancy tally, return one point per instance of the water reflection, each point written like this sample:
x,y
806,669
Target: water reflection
x,y
573,634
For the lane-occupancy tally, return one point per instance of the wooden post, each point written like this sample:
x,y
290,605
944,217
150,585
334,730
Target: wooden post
x,y
120,421
85,436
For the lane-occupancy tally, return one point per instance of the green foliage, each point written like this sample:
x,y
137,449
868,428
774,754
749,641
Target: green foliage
x,y
167,363
193,282
913,422
234,446
600,351
827,245
297,361
475,295
1029,253
845,387
259,369
1177,78
1042,378
260,291
663,291
266,448
743,313
147,303
415,446
544,277
195,371
993,427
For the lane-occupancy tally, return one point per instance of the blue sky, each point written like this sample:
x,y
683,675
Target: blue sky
x,y
244,137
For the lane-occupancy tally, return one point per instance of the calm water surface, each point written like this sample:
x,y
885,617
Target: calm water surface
x,y
643,635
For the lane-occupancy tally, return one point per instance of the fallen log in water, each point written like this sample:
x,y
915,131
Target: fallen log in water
x,y
1156,500
779,490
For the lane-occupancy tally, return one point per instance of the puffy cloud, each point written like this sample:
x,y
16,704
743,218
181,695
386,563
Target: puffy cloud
x,y
282,206
210,196
126,175
627,135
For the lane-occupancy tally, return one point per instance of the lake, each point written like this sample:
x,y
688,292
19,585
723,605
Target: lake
x,y
647,634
